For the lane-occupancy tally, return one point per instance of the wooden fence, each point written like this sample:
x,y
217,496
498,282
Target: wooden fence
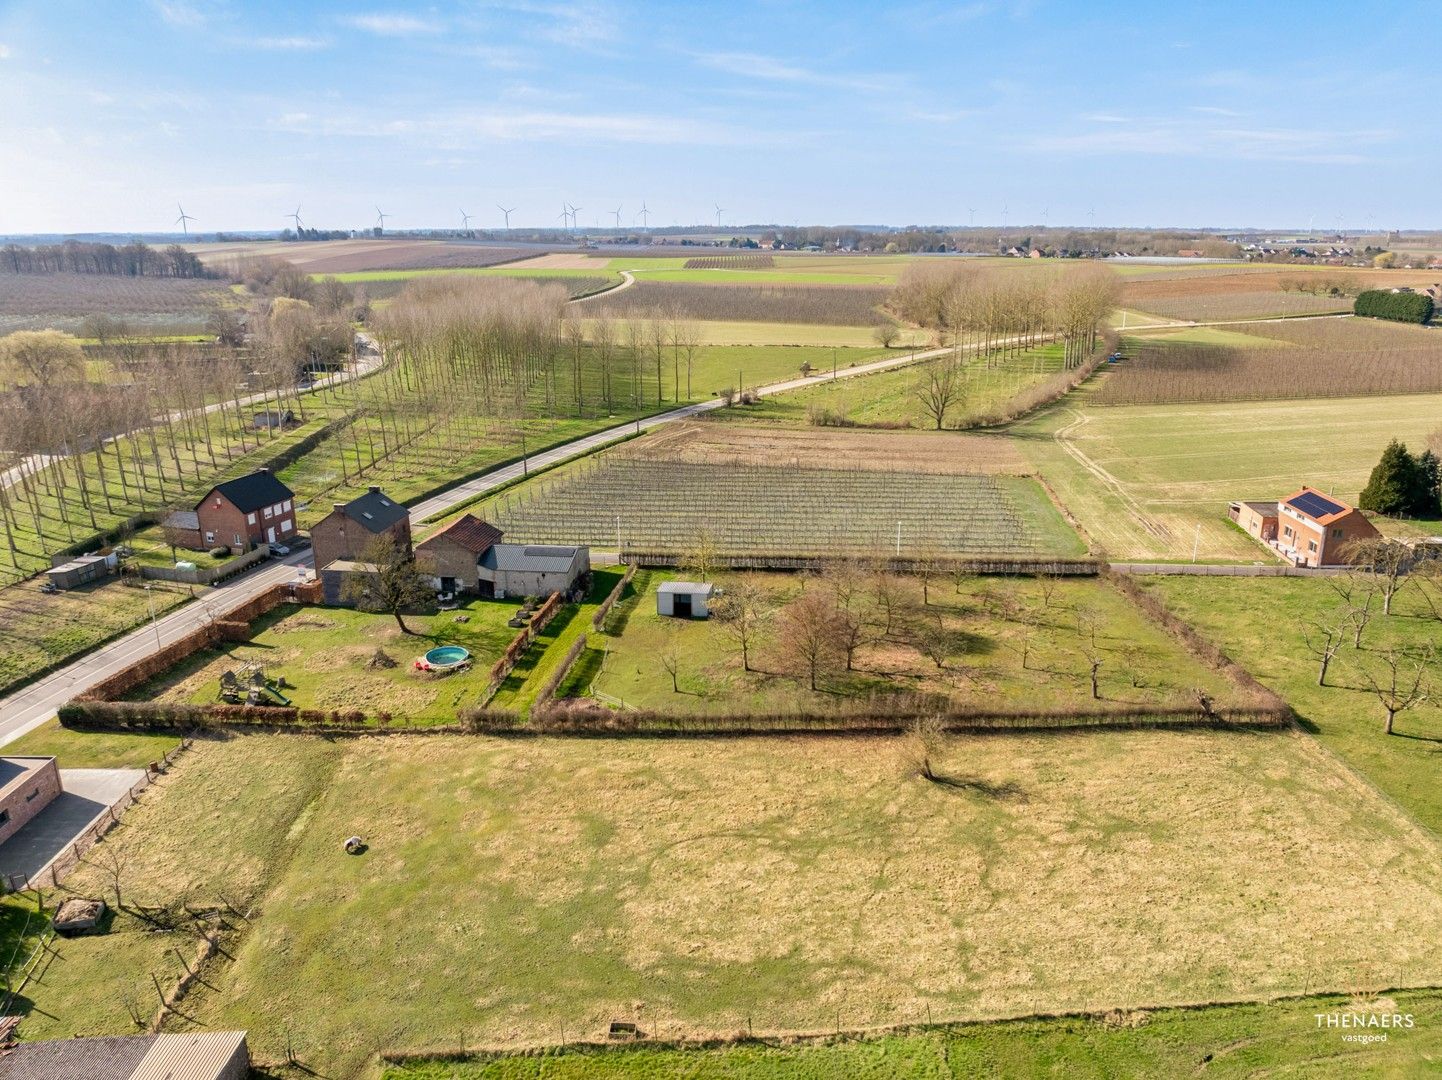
x,y
54,872
519,644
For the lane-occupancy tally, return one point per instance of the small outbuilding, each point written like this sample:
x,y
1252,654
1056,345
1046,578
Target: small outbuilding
x,y
81,571
685,599
533,569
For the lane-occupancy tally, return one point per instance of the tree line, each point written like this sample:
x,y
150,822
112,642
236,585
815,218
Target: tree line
x,y
126,260
1407,307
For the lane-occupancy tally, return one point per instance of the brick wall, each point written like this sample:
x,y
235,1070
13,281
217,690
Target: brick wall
x,y
29,798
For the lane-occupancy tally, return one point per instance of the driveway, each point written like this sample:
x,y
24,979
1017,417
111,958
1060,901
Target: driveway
x,y
85,795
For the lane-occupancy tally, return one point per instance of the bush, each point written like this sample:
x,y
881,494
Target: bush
x,y
220,551
1399,307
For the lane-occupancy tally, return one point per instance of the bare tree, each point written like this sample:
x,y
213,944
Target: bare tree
x,y
1094,661
809,634
939,389
1323,642
1401,685
700,559
1047,582
1357,591
926,740
1387,561
671,660
114,857
390,581
888,594
46,357
886,334
741,611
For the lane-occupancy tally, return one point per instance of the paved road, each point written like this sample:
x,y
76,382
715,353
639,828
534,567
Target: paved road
x,y
34,704
1227,570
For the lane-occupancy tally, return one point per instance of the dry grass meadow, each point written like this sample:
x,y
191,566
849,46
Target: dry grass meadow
x,y
709,441
794,883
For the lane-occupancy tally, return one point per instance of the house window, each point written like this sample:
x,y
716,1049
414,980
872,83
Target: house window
x,y
209,537
250,518
285,525
4,817
1336,534
268,512
285,505
1311,545
33,795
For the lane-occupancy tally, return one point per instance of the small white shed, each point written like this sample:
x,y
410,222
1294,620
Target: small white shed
x,y
685,599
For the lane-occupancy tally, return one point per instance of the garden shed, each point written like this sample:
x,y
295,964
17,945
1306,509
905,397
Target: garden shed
x,y
81,571
685,599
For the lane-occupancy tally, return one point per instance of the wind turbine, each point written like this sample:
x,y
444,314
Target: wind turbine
x,y
644,214
296,218
719,212
381,219
183,220
507,212
574,211
616,213
972,211
465,221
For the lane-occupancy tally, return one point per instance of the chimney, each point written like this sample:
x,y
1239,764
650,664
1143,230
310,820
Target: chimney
x,y
375,490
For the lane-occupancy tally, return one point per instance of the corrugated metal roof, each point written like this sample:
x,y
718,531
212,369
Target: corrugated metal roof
x,y
529,558
193,1055
687,588
110,1058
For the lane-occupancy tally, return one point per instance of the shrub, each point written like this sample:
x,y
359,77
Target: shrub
x,y
1399,306
220,551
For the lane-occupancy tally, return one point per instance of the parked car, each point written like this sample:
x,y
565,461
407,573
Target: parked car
x,y
279,549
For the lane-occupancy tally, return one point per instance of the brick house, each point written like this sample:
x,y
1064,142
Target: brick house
x,y
241,513
27,786
349,529
454,554
1307,528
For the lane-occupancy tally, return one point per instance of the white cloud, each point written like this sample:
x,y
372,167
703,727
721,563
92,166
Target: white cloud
x,y
5,53
1107,118
464,128
296,43
770,69
179,12
392,24
578,24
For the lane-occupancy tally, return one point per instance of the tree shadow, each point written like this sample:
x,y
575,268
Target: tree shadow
x,y
977,785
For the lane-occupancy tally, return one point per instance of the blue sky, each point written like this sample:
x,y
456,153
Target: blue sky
x,y
1271,114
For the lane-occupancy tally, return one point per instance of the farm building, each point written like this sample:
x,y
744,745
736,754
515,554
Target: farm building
x,y
1259,519
238,514
193,1055
27,786
533,569
348,529
685,599
454,553
1308,527
81,570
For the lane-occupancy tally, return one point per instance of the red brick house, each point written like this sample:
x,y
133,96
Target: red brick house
x,y
349,529
241,513
27,786
1314,529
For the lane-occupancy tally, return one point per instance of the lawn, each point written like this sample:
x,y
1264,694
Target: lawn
x,y
38,630
891,398
514,886
326,654
1151,481
151,548
719,332
982,625
519,691
1222,1042
1262,622
93,750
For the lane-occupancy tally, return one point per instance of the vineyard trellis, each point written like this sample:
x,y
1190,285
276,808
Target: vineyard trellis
x,y
657,506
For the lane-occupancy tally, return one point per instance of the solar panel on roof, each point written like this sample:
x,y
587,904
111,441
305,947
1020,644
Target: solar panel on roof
x,y
1309,502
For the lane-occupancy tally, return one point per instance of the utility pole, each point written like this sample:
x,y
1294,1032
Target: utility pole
x,y
1197,541
150,601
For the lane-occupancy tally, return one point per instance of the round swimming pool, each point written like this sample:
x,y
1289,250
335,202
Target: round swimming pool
x,y
447,656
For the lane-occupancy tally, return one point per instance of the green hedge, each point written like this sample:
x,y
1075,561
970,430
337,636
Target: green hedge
x,y
1399,307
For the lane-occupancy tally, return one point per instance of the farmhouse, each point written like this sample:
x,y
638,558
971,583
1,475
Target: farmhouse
x,y
238,514
1308,527
348,529
685,599
455,553
193,1055
27,786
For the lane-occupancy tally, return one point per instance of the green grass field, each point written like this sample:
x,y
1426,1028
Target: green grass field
x,y
1151,481
324,655
1262,622
1227,1042
93,750
890,398
983,624
801,883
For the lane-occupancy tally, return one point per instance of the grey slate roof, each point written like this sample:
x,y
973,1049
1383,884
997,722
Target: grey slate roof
x,y
529,558
182,519
374,511
251,492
